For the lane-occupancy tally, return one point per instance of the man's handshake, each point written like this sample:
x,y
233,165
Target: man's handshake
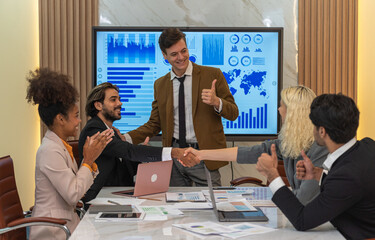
x,y
187,160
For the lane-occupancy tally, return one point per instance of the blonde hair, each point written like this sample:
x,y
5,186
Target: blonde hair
x,y
296,134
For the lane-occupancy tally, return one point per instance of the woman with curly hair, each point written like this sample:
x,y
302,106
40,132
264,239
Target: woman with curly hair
x,y
296,134
59,183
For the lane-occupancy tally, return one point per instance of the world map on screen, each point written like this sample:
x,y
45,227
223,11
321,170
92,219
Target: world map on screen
x,y
249,82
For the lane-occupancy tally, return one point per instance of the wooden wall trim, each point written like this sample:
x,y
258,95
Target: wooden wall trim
x,y
327,46
65,42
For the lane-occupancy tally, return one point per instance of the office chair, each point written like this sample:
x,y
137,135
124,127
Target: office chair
x,y
80,207
74,144
12,220
257,181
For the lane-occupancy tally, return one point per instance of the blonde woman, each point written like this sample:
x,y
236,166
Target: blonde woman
x,y
295,135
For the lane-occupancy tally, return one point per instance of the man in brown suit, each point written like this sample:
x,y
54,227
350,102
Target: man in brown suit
x,y
204,96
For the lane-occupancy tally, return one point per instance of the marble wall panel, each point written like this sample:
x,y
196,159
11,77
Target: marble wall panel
x,y
211,13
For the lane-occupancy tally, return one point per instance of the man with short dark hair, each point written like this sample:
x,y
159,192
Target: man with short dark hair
x,y
188,105
118,162
347,197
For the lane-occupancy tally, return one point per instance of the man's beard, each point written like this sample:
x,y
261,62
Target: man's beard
x,y
111,116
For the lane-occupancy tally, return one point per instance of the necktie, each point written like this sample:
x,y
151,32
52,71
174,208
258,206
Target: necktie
x,y
181,113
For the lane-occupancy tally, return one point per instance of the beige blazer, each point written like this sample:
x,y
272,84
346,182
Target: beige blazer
x,y
58,187
207,122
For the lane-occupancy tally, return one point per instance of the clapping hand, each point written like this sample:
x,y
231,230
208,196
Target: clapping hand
x,y
95,144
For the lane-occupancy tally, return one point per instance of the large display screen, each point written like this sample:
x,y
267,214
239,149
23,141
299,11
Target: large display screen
x,y
250,59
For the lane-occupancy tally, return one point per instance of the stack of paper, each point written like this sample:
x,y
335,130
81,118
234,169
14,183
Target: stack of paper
x,y
225,195
193,206
231,231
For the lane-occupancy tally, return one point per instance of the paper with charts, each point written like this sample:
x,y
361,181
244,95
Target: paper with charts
x,y
185,197
235,206
159,213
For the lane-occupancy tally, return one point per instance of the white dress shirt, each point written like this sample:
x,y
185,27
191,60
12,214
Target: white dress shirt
x,y
188,90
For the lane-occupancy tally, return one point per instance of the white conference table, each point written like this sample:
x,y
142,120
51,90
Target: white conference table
x,y
147,230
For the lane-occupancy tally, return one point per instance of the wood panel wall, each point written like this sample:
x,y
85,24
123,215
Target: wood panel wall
x,y
65,42
327,46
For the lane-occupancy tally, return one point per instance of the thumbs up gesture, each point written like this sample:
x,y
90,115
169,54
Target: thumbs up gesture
x,y
267,164
209,96
305,170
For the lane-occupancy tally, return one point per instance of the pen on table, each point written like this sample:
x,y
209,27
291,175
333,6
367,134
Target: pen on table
x,y
110,201
152,199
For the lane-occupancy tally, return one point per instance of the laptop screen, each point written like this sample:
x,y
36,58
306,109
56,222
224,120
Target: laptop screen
x,y
252,216
211,191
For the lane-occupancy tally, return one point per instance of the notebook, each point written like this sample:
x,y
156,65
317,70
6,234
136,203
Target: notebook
x,y
252,216
151,178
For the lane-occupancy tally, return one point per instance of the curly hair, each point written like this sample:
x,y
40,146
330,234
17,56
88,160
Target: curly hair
x,y
52,92
296,134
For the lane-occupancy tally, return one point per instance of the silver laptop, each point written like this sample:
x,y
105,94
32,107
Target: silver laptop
x,y
151,178
224,216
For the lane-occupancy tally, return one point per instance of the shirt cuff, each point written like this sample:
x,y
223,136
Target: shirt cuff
x,y
93,169
128,138
276,184
88,166
220,106
167,154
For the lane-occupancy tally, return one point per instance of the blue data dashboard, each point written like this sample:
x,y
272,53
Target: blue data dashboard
x,y
250,59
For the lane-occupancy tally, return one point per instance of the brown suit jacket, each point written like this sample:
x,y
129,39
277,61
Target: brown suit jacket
x,y
207,122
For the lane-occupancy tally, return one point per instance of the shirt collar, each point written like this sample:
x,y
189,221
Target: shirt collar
x,y
69,148
189,71
332,157
106,125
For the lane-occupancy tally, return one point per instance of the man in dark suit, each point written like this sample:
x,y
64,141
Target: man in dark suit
x,y
347,197
206,96
104,107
